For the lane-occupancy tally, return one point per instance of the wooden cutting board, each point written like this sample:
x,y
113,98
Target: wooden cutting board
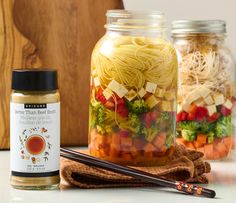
x,y
64,33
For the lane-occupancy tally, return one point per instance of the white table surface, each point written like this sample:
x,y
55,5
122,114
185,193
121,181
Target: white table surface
x,y
223,181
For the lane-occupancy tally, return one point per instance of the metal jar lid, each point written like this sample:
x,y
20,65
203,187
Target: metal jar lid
x,y
198,26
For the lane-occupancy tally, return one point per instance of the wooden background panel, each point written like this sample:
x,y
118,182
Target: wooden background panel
x,y
64,32
15,51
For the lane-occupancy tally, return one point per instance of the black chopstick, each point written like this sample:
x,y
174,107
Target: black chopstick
x,y
141,175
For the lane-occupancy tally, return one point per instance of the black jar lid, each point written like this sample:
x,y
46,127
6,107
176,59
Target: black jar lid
x,y
34,79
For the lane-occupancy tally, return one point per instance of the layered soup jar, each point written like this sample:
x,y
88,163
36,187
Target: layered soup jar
x,y
133,91
206,96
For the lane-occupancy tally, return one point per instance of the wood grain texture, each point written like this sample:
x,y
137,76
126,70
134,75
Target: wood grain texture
x,y
65,32
15,51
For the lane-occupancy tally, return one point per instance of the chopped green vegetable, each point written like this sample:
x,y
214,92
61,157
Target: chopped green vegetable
x,y
135,125
138,106
189,125
169,140
151,133
224,127
210,137
188,135
206,127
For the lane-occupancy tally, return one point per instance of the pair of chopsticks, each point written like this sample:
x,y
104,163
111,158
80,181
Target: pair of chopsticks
x,y
144,176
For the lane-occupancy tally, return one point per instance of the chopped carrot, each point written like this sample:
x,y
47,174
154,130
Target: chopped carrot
x,y
201,149
228,141
126,156
221,149
104,152
190,145
126,141
139,143
181,140
115,139
215,155
208,149
134,151
114,150
148,150
160,140
201,138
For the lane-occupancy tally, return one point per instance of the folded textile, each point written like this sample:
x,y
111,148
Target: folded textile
x,y
186,165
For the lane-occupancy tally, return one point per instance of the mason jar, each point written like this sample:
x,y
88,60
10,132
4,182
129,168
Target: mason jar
x,y
133,90
206,96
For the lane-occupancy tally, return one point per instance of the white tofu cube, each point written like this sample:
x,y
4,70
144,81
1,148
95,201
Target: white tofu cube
x,y
96,82
131,95
200,102
113,85
151,87
160,92
170,94
211,109
152,101
119,89
219,99
228,104
107,93
179,108
209,100
193,96
167,106
204,91
142,92
122,91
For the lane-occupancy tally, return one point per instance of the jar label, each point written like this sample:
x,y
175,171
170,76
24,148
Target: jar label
x,y
35,139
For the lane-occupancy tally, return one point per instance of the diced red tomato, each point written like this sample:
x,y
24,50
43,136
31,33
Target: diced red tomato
x,y
201,113
213,117
148,119
225,111
178,117
191,116
184,116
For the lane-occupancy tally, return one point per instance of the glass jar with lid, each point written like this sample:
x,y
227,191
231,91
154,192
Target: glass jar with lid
x,y
206,96
133,90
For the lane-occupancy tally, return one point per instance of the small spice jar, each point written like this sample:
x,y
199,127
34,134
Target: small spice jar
x,y
35,129
206,89
133,90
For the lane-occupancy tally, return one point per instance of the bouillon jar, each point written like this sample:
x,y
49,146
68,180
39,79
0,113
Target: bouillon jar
x,y
35,129
206,96
133,90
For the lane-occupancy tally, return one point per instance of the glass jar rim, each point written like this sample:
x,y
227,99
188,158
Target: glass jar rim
x,y
198,26
121,20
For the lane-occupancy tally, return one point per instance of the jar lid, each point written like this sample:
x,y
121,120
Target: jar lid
x,y
34,79
198,26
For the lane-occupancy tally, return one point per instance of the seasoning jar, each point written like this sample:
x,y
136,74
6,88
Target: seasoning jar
x,y
206,96
133,90
35,129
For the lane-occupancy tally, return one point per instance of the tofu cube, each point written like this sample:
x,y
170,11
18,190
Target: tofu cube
x,y
96,82
119,89
142,92
151,87
208,100
179,108
167,106
228,104
193,96
107,93
211,109
113,85
170,94
152,101
200,102
131,95
160,92
219,99
204,91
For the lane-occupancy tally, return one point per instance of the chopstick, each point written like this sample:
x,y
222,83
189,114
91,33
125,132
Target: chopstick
x,y
141,175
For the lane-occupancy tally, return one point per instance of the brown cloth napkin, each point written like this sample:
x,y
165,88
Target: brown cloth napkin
x,y
187,165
